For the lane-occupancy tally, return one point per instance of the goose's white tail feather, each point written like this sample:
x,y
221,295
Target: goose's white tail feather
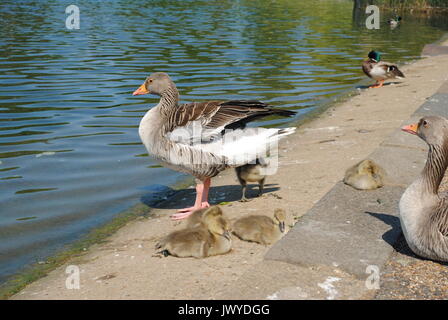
x,y
246,145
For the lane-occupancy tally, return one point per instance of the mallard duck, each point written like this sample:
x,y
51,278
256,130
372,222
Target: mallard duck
x,y
380,70
204,138
261,229
394,22
251,173
208,238
423,210
365,175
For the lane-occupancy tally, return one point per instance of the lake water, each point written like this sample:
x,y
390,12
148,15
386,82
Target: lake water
x,y
70,155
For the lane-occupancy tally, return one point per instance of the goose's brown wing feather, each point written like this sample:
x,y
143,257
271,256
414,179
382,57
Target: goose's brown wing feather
x,y
440,217
220,115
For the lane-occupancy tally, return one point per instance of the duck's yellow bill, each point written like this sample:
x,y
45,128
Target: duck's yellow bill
x,y
411,128
141,90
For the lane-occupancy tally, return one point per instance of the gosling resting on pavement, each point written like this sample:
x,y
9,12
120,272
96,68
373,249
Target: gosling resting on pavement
x,y
261,229
365,175
208,238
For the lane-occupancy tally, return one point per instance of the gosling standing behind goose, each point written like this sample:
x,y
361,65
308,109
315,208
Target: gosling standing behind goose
x,y
261,229
250,173
380,70
208,238
365,175
423,210
194,138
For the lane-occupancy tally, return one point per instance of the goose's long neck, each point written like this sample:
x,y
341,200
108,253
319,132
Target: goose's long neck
x,y
435,168
169,99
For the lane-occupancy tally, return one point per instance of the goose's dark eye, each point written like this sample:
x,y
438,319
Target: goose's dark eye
x,y
425,123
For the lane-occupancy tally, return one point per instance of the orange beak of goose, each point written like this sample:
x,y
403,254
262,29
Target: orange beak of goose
x,y
411,128
141,90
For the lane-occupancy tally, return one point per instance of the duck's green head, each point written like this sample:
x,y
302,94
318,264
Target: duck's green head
x,y
373,55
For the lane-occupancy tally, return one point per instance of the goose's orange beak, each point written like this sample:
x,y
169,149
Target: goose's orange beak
x,y
141,90
412,128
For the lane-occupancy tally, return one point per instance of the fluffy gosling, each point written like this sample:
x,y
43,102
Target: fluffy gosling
x,y
365,175
209,237
261,229
250,173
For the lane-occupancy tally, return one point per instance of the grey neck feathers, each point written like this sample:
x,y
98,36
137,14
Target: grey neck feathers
x,y
169,99
435,167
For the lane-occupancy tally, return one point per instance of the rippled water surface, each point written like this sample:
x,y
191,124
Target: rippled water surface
x,y
70,155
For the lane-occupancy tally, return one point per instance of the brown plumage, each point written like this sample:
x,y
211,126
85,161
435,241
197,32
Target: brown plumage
x,y
423,210
193,137
220,115
365,175
380,70
208,236
261,229
385,70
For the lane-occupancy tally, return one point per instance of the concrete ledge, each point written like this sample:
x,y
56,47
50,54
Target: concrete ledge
x,y
352,229
347,228
275,280
437,104
434,50
443,88
401,168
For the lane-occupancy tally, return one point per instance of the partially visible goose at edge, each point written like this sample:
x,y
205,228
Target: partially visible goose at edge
x,y
192,138
423,210
380,70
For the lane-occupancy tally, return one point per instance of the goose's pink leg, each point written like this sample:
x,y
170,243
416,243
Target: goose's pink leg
x,y
205,203
200,202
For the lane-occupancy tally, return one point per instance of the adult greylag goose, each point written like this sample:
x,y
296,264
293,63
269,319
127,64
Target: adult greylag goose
x,y
380,70
423,210
204,138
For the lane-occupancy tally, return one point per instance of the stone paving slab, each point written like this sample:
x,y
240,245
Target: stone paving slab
x,y
275,280
347,228
437,104
402,139
434,50
401,168
352,229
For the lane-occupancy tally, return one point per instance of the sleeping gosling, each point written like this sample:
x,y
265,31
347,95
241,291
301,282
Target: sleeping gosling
x,y
365,175
195,219
208,238
250,173
261,229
